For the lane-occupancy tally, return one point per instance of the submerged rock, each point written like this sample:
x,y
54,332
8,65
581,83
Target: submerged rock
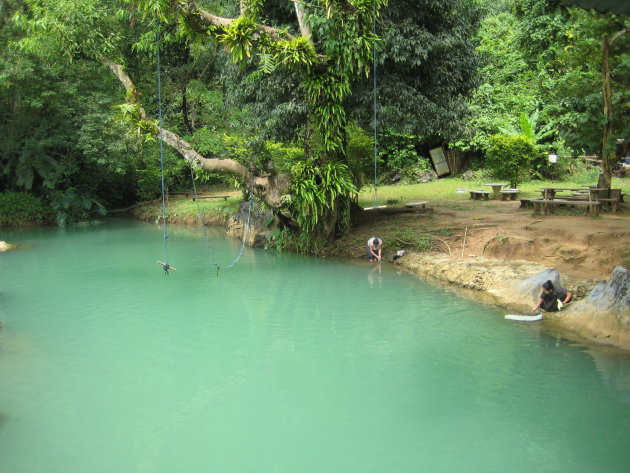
x,y
4,246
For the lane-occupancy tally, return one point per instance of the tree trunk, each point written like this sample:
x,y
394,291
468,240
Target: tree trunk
x,y
605,177
305,28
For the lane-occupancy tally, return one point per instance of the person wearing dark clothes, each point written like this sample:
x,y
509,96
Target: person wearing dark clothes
x,y
552,298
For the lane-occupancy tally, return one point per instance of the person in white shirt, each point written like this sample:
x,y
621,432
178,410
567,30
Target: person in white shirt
x,y
374,249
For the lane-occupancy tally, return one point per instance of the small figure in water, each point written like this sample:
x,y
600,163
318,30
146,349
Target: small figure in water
x,y
374,248
553,298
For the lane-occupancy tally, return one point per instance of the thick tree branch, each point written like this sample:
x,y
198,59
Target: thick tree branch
x,y
619,34
193,10
268,188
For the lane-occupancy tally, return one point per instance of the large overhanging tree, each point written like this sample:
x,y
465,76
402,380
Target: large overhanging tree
x,y
329,46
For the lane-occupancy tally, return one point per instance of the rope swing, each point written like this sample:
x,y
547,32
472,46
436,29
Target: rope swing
x,y
374,106
165,265
250,205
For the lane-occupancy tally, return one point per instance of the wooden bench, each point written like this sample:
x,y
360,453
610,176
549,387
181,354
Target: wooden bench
x,y
525,203
592,207
509,194
224,197
612,197
479,195
422,204
612,204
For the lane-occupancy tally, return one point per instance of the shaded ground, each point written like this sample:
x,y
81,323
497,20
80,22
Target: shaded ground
x,y
574,244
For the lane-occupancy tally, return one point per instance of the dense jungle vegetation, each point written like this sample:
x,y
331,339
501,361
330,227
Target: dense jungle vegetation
x,y
278,98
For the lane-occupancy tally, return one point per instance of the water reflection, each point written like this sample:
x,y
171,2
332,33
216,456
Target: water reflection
x,y
615,371
375,275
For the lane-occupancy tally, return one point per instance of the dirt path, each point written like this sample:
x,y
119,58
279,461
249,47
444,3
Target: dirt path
x,y
574,244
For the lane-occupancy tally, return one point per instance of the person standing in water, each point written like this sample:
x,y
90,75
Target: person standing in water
x,y
553,298
374,248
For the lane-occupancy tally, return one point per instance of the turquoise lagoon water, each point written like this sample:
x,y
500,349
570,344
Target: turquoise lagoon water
x,y
281,364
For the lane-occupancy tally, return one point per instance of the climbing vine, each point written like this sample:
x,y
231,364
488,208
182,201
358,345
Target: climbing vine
x,y
317,191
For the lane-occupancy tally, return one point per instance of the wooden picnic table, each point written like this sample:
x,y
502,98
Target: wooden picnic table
x,y
496,188
224,197
509,194
585,196
593,192
549,193
591,207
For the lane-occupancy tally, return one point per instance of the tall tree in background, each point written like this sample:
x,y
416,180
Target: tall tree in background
x,y
608,150
427,66
546,60
575,39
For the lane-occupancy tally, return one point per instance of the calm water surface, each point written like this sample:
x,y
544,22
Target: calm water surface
x,y
281,364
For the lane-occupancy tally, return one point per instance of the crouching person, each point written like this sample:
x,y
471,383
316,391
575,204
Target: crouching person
x,y
374,249
552,298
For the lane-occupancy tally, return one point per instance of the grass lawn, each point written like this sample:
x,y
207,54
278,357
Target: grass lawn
x,y
446,189
440,190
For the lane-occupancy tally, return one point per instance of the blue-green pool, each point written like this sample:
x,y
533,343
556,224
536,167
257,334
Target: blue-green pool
x,y
281,364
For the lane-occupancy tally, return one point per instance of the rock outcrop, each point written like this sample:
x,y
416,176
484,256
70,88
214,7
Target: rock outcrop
x,y
252,225
604,314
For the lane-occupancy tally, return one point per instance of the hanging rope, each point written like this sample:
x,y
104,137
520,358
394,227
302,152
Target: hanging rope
x,y
250,205
165,235
374,112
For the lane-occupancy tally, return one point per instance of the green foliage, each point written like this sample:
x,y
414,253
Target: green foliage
x,y
325,93
509,157
72,208
427,67
544,60
294,52
238,38
409,238
283,156
142,129
529,127
360,155
17,208
286,240
317,191
397,155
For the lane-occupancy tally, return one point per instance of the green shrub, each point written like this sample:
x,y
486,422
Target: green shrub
x,y
398,156
360,155
17,208
510,157
72,207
